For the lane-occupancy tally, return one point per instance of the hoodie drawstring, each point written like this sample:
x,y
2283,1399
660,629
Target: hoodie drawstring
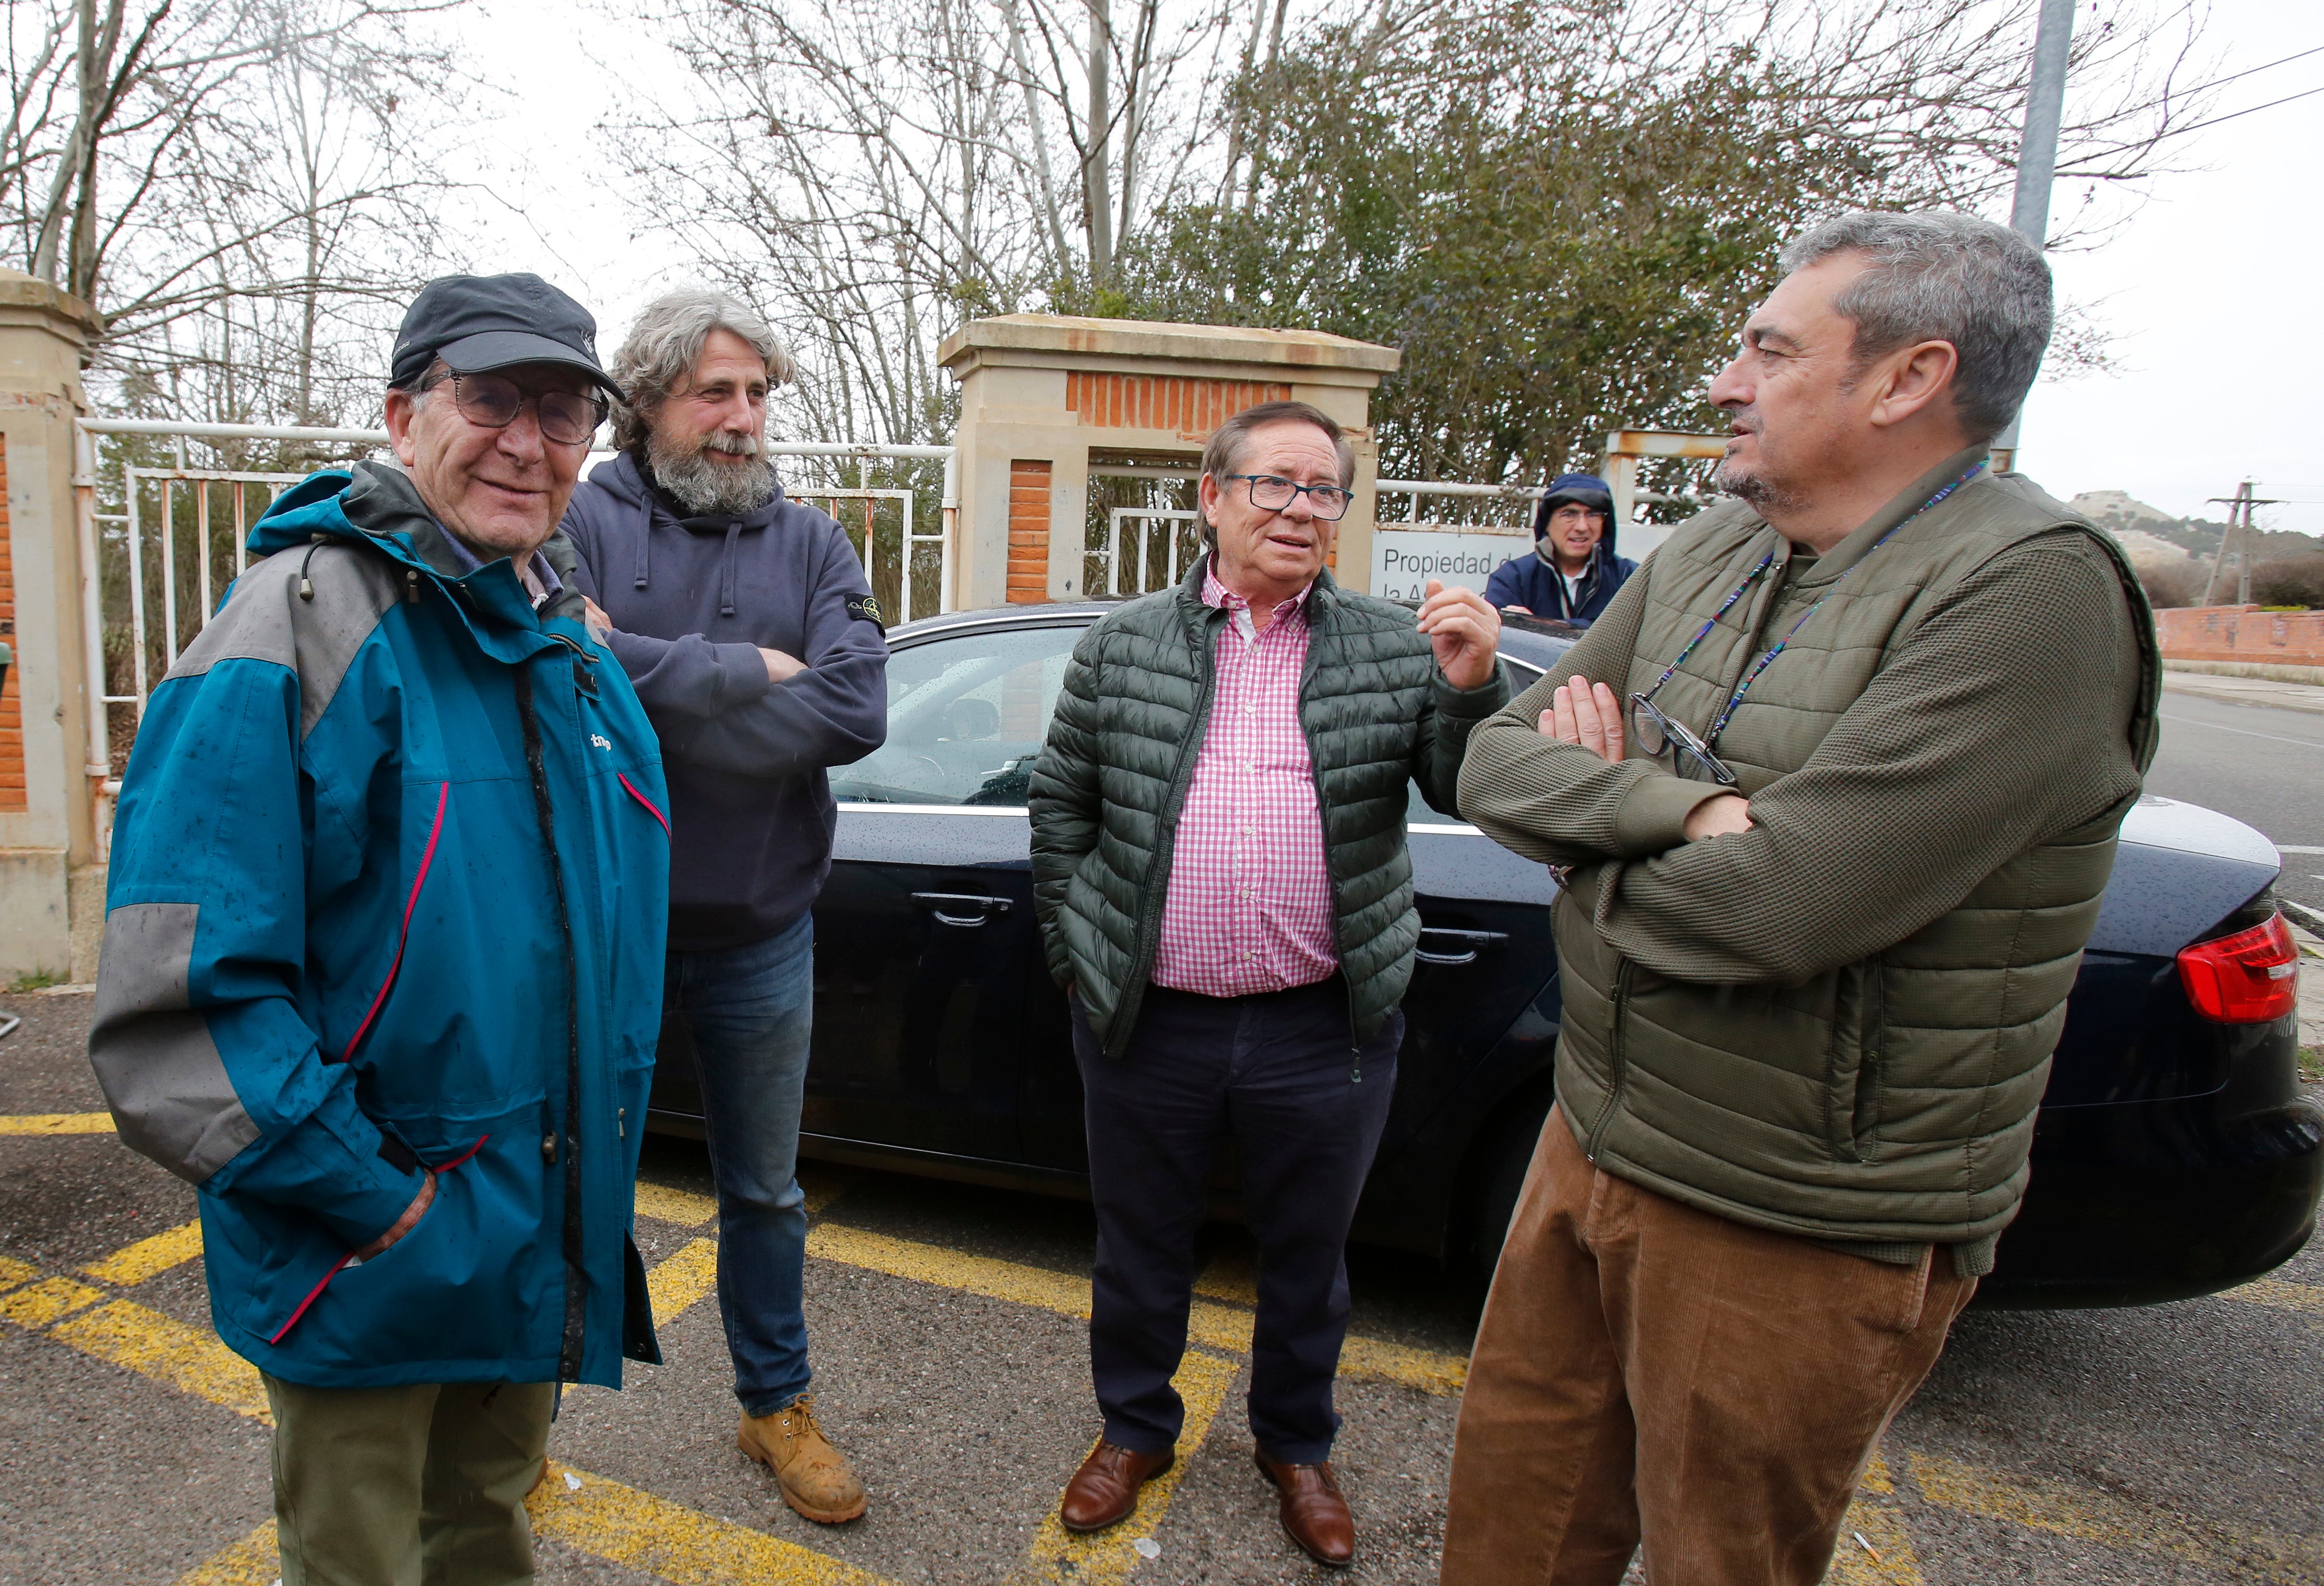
x,y
645,534
727,574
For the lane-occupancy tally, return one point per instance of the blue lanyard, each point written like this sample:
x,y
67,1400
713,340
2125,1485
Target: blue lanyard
x,y
1765,661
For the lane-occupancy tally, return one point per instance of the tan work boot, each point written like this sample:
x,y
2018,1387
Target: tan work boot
x,y
814,1476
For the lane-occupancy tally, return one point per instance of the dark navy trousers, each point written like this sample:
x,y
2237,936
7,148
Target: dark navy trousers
x,y
1280,1076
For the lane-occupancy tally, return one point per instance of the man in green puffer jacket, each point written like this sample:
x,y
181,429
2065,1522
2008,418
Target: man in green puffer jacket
x,y
1218,862
1835,784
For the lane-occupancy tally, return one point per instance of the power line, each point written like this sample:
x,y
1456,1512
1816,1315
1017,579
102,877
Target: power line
x,y
2177,132
2221,82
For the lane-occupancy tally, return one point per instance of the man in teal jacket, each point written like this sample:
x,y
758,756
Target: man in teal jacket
x,y
383,956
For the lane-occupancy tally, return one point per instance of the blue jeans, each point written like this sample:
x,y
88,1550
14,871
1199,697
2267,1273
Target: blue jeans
x,y
750,1011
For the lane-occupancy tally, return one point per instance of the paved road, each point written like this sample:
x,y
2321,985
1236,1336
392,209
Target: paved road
x,y
2263,765
2181,1444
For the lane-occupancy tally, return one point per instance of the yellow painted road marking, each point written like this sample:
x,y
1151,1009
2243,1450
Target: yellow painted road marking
x,y
1068,1295
1232,1279
255,1561
683,1207
149,1258
683,1278
2280,1295
189,1359
14,1272
688,1210
1884,1556
58,1123
1427,1369
2041,1505
684,1546
1058,1556
42,1302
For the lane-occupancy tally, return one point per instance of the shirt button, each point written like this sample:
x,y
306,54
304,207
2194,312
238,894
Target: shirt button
x,y
1249,832
1249,954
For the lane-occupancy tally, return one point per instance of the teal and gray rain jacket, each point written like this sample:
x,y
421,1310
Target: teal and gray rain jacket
x,y
388,882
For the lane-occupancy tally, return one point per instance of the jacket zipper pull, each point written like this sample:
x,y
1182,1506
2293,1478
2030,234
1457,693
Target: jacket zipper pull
x,y
412,585
548,1150
622,1122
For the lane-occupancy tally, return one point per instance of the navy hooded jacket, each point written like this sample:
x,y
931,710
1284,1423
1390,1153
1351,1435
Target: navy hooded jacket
x,y
692,599
1533,582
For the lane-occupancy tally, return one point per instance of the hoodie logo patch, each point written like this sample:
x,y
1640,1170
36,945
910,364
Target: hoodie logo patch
x,y
602,741
864,608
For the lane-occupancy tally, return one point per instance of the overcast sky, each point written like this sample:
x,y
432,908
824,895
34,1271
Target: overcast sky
x,y
2209,293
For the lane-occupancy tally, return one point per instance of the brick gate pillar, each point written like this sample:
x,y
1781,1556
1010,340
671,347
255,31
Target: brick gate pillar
x,y
51,885
1040,392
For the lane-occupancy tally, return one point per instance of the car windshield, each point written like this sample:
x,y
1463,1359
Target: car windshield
x,y
966,717
968,712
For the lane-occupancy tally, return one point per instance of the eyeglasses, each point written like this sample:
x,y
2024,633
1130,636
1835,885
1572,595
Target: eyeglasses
x,y
1658,734
1271,493
569,417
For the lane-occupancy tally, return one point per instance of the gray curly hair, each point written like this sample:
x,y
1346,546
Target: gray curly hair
x,y
666,340
1944,277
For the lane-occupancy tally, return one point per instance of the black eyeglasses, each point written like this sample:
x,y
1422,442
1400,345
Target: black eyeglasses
x,y
1658,734
569,417
1271,493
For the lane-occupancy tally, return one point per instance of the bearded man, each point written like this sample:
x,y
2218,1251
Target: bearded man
x,y
745,623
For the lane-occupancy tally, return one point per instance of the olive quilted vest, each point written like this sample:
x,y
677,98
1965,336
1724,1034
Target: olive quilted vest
x,y
1892,1100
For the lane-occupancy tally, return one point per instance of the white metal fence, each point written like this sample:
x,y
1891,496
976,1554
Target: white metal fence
x,y
180,538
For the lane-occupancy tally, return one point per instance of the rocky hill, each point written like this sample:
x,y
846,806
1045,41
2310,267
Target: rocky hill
x,y
2153,537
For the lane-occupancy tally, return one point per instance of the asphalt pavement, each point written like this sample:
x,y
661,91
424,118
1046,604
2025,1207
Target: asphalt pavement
x,y
2262,764
2176,1444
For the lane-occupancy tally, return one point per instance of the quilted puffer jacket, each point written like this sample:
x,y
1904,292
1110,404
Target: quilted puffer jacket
x,y
1110,781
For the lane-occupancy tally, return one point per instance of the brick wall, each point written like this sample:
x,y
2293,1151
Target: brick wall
x,y
1191,407
12,719
2241,633
1028,531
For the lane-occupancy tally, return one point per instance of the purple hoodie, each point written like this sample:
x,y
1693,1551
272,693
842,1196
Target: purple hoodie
x,y
692,599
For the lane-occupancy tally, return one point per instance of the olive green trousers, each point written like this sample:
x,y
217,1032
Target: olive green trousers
x,y
416,1486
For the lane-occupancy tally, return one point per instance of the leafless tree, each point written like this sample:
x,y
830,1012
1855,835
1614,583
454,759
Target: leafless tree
x,y
229,182
874,173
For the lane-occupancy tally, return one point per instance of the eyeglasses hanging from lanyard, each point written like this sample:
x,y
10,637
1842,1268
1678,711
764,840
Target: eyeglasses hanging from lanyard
x,y
1656,732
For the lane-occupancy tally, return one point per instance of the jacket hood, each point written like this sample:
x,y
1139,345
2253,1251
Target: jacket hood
x,y
627,480
1586,488
376,505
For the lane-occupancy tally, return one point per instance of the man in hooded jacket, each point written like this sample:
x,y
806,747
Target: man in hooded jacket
x,y
382,950
1573,573
747,625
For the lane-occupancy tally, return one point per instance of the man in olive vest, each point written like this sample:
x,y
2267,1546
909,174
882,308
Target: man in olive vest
x,y
1833,789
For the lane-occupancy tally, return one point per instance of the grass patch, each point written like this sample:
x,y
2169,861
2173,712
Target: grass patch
x,y
39,979
2312,1063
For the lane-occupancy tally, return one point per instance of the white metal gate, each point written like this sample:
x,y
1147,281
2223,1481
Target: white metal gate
x,y
170,588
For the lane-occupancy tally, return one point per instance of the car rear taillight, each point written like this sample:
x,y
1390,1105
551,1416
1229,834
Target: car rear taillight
x,y
2247,978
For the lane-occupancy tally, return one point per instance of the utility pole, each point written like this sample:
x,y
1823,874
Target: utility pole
x,y
2237,535
2037,157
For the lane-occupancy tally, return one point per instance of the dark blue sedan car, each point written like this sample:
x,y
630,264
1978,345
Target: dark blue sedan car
x,y
2173,1155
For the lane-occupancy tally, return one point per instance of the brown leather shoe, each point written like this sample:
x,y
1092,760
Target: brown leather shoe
x,y
1313,1513
813,1477
1104,1490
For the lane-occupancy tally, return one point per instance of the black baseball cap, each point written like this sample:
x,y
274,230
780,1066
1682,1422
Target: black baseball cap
x,y
479,322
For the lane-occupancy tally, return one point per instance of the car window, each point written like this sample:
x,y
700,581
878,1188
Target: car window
x,y
1523,675
966,718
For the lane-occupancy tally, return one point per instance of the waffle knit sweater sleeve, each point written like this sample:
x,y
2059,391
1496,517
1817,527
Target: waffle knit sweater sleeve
x,y
2002,720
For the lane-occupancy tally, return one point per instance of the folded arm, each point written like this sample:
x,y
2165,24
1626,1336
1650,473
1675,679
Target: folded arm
x,y
2001,722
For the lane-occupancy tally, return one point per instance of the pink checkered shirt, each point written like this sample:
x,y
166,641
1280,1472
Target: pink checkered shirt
x,y
1249,907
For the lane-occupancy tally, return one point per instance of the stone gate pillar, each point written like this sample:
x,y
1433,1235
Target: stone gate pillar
x,y
1040,392
52,884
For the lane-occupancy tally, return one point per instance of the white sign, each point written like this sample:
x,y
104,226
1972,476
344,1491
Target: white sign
x,y
1405,559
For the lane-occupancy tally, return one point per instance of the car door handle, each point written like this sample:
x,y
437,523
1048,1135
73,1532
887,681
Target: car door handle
x,y
1455,947
965,910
